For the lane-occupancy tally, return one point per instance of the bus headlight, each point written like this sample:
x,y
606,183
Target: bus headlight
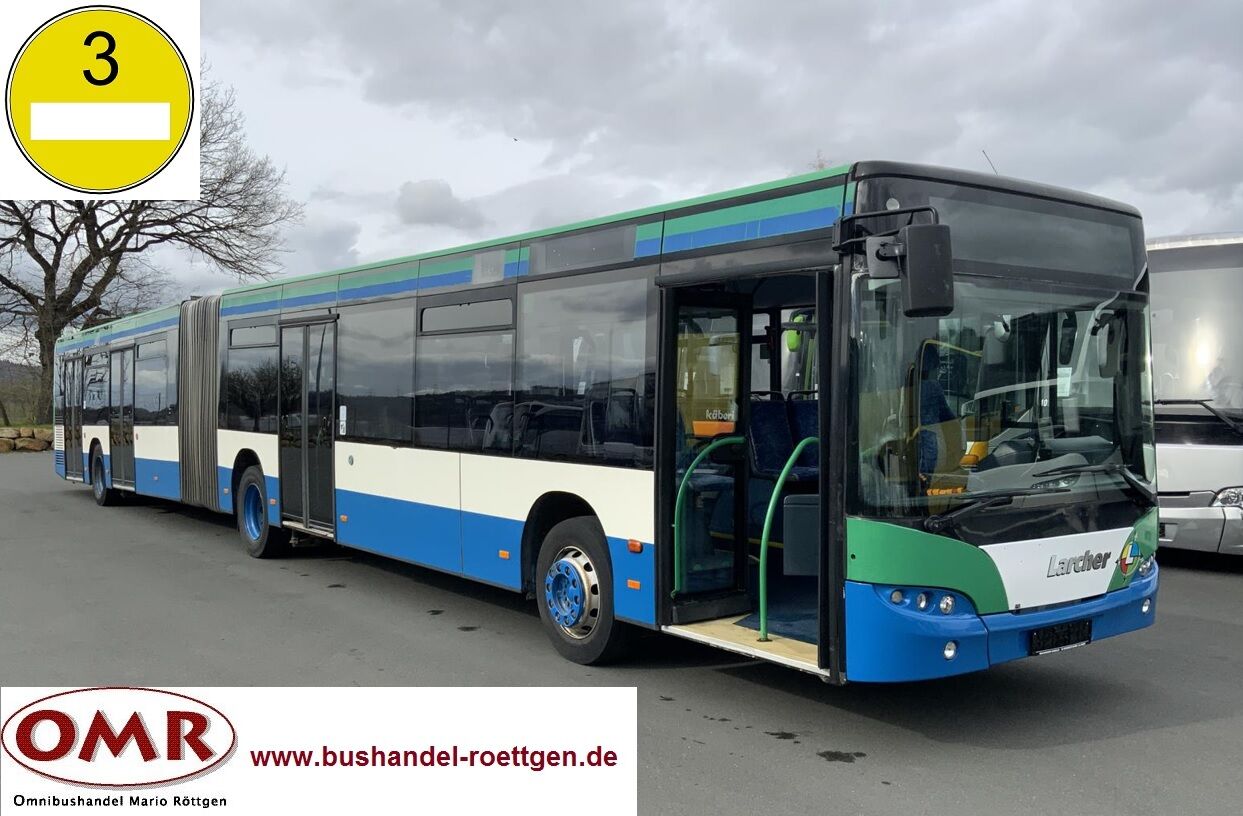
x,y
947,604
921,601
1229,497
1145,566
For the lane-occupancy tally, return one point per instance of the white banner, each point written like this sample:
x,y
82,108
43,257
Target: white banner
x,y
319,750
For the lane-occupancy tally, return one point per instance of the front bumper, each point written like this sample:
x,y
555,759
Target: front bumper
x,y
889,644
1205,529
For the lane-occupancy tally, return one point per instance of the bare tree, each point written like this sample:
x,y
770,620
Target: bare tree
x,y
78,263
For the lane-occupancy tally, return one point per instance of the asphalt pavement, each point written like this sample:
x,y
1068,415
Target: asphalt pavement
x,y
156,594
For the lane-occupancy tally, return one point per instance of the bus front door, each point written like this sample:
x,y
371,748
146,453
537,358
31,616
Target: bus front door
x,y
307,393
709,441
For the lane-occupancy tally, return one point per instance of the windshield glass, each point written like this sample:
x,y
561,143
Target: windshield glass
x,y
1197,335
1022,379
999,233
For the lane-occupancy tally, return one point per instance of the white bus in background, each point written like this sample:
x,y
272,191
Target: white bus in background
x,y
1197,367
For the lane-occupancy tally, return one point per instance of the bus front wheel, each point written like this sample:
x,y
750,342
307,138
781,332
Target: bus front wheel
x,y
262,540
574,588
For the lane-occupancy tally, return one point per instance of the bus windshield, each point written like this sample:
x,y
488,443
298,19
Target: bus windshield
x,y
1024,385
1197,349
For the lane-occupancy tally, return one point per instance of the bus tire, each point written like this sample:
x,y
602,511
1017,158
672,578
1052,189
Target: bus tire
x,y
262,540
104,495
574,590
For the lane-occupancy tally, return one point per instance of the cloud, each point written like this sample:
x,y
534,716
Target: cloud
x,y
1096,95
432,202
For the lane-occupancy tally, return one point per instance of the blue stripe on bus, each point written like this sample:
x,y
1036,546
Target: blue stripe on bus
x,y
380,289
157,477
308,300
410,531
224,481
108,338
752,230
483,538
635,605
469,544
248,308
513,269
60,463
646,246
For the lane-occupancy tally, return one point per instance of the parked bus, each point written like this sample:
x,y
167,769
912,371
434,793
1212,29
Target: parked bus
x,y
1197,363
880,422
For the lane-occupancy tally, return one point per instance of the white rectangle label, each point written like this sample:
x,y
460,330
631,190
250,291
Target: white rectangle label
x,y
318,750
100,121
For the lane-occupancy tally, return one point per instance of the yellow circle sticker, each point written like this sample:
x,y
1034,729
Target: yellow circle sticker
x,y
99,99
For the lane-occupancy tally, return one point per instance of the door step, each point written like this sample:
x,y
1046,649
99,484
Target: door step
x,y
315,532
706,609
724,633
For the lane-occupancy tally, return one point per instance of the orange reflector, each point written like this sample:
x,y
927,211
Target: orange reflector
x,y
273,503
504,554
634,546
632,583
344,517
711,427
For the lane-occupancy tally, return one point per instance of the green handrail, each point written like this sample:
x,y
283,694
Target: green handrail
x,y
768,526
679,568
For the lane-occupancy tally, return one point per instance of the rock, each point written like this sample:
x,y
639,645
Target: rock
x,y
9,433
43,434
6,444
25,444
26,433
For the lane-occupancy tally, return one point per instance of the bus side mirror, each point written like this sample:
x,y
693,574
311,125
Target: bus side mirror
x,y
927,270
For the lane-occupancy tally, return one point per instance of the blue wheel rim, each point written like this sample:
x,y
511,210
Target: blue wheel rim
x,y
252,512
563,592
572,593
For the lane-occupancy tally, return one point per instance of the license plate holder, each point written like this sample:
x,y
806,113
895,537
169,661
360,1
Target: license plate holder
x,y
1060,636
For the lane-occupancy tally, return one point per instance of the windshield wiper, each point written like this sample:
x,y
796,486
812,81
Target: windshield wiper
x,y
1144,488
982,501
1207,406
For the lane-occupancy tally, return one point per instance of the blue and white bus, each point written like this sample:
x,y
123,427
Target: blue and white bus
x,y
880,422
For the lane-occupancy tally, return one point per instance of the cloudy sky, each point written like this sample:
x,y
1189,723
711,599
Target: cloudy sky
x,y
411,125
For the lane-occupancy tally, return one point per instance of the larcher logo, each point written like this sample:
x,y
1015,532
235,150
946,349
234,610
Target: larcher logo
x,y
119,737
1083,563
1129,557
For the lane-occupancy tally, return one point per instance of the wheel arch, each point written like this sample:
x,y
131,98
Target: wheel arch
x,y
246,457
549,510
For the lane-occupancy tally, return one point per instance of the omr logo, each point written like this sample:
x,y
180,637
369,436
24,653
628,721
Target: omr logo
x,y
118,737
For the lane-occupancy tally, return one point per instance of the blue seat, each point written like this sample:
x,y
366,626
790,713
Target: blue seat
x,y
805,422
772,442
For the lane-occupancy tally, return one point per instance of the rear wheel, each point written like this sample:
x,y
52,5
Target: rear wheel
x,y
262,540
575,588
104,495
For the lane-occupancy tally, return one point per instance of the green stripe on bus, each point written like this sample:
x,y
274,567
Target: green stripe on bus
x,y
882,553
646,232
756,211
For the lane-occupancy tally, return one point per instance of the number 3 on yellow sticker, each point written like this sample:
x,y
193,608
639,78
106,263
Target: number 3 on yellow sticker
x,y
99,99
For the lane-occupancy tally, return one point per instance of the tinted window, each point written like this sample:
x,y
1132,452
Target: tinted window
x,y
375,371
253,336
461,316
249,390
150,390
156,348
463,391
95,395
584,391
586,249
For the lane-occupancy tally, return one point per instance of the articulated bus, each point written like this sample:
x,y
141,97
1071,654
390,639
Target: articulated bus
x,y
880,422
1197,362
